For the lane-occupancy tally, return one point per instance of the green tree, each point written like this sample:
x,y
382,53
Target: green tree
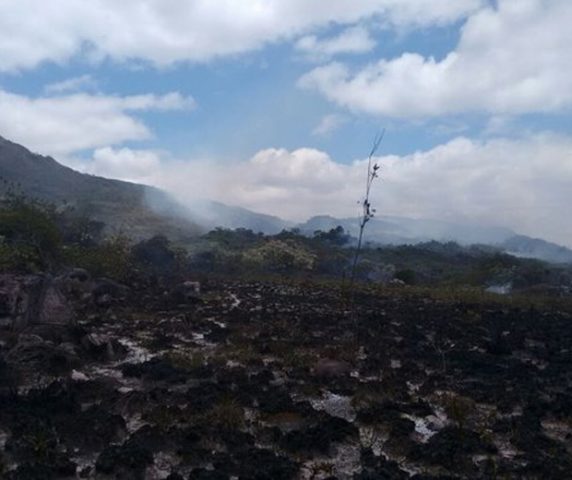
x,y
29,236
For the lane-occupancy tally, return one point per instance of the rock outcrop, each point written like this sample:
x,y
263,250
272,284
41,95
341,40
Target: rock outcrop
x,y
32,300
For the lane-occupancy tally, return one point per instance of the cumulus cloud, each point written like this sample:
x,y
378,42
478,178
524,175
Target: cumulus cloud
x,y
518,183
290,184
60,125
125,164
163,32
512,59
351,40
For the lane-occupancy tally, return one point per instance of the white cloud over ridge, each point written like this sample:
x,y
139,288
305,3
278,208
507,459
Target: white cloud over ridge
x,y
125,163
511,60
61,125
520,183
164,32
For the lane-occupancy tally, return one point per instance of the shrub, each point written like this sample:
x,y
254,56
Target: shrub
x,y
111,259
19,258
280,256
335,236
155,253
227,414
29,236
407,276
458,408
234,239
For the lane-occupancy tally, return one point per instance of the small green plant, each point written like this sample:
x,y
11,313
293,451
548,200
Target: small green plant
x,y
242,353
227,414
295,358
40,444
164,416
458,409
186,361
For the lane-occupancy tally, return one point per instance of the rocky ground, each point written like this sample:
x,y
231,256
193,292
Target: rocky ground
x,y
254,380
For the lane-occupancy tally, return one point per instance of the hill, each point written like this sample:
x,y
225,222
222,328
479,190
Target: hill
x,y
523,246
138,210
213,214
121,206
401,230
392,230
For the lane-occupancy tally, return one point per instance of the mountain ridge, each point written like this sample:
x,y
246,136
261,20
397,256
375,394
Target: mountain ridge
x,y
122,206
142,211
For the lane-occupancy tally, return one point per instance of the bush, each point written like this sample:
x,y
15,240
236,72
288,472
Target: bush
x,y
234,239
280,256
155,254
335,237
112,258
29,236
80,229
19,258
407,276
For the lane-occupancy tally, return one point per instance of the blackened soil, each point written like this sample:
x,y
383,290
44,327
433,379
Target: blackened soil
x,y
268,381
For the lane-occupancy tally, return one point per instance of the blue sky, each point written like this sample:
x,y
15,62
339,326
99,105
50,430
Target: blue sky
x,y
251,101
273,104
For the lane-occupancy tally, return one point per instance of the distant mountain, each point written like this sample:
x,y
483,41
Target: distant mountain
x,y
215,214
122,206
138,210
388,230
399,230
523,246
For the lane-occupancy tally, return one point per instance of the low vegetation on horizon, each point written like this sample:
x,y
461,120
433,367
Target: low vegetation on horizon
x,y
37,237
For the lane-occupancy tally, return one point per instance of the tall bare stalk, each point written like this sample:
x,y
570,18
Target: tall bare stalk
x,y
367,212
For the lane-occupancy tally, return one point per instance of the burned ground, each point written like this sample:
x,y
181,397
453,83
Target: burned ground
x,y
261,380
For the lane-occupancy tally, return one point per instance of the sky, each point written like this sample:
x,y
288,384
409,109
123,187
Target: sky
x,y
273,105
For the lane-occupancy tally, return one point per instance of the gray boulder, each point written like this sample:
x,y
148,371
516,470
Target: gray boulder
x,y
31,300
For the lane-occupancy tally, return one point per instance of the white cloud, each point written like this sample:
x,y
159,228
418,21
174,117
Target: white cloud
x,y
329,124
522,183
511,60
277,181
139,166
167,31
74,84
352,40
60,125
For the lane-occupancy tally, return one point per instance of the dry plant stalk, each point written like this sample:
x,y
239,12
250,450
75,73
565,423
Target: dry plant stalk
x,y
367,212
